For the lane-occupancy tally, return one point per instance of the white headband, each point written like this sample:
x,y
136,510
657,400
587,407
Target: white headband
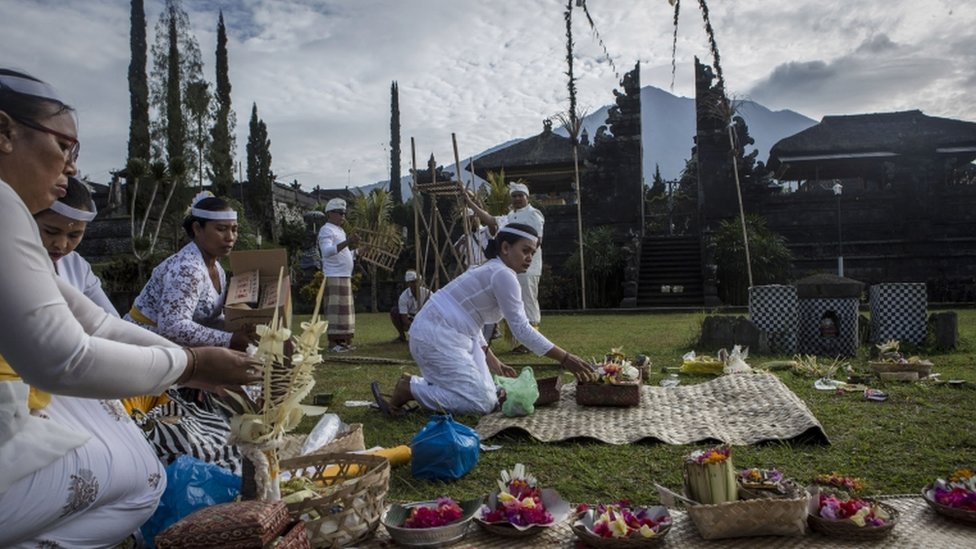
x,y
523,234
518,188
74,213
27,86
219,215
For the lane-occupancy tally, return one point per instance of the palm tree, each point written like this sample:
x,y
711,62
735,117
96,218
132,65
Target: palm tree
x,y
370,214
494,195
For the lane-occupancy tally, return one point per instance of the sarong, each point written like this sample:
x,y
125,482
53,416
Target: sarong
x,y
339,309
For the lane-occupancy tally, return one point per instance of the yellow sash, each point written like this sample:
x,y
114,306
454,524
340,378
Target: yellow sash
x,y
36,398
137,315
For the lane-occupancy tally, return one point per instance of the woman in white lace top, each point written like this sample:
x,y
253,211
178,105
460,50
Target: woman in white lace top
x,y
184,298
446,337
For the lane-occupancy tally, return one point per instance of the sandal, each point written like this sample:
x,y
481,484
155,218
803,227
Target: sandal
x,y
384,406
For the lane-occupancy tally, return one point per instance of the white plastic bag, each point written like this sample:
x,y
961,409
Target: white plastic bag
x,y
325,431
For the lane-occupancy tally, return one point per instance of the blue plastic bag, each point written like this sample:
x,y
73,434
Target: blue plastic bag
x,y
444,449
191,484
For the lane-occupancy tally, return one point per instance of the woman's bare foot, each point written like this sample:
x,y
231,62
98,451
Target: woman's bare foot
x,y
401,392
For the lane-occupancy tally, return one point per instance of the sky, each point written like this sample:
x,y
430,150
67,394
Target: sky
x,y
488,71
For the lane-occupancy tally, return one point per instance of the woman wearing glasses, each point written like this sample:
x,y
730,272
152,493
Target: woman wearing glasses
x,y
69,478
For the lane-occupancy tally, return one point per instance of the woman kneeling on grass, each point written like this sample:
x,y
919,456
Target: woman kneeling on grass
x,y
446,337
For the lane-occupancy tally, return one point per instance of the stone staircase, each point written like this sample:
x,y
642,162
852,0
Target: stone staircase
x,y
670,263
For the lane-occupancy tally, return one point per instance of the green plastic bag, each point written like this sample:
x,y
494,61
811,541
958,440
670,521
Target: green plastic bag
x,y
521,393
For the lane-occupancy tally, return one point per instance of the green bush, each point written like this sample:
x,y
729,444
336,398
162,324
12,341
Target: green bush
x,y
771,258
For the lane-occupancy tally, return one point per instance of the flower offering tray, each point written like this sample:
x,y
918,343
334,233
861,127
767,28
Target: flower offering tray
x,y
584,522
438,536
609,394
953,513
849,530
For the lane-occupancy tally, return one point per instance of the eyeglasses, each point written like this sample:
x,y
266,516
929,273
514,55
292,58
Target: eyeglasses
x,y
70,153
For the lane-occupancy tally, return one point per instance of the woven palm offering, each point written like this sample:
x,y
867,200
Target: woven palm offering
x,y
519,508
755,483
954,498
621,526
892,361
259,427
615,382
837,509
709,476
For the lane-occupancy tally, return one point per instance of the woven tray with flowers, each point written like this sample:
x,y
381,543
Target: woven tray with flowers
x,y
712,499
519,508
621,525
954,498
430,523
614,382
837,509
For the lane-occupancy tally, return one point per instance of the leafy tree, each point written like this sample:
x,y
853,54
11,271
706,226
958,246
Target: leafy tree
x,y
221,169
395,190
146,222
494,195
372,212
260,179
604,266
138,84
771,258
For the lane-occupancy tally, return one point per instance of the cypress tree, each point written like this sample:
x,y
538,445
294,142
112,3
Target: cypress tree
x,y
259,194
395,190
222,149
138,84
175,129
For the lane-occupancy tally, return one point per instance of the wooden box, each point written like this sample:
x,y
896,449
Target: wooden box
x,y
608,394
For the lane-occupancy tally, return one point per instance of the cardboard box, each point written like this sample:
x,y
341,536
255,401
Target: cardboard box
x,y
244,289
267,264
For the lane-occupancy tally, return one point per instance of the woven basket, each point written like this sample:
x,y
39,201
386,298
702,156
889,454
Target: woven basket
x,y
923,368
353,502
439,536
593,540
754,517
847,529
949,512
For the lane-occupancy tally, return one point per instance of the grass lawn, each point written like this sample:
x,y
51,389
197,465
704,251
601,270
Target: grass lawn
x,y
921,432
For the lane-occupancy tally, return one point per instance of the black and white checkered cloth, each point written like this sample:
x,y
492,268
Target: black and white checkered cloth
x,y
773,309
899,311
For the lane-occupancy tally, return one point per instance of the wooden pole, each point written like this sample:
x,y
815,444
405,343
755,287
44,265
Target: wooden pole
x,y
738,191
461,206
416,208
579,221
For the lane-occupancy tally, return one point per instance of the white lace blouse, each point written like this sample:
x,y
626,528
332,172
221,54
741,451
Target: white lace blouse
x,y
182,301
485,295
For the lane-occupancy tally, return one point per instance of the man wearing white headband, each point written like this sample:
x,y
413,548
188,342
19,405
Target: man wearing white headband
x,y
522,212
337,253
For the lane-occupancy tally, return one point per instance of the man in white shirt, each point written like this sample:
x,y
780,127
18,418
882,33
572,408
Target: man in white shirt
x,y
337,261
409,304
471,248
522,212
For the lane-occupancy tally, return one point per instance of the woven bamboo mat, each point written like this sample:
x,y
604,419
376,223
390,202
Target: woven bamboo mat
x,y
736,409
918,526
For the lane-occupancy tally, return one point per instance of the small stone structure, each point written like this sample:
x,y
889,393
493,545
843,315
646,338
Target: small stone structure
x,y
828,315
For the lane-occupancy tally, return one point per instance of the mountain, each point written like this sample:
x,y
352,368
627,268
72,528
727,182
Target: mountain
x,y
668,130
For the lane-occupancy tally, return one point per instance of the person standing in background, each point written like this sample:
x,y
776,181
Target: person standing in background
x,y
337,262
520,211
